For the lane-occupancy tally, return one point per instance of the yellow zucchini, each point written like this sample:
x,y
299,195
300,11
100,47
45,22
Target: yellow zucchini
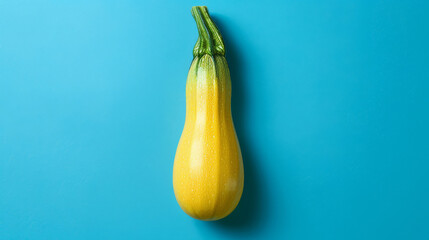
x,y
208,172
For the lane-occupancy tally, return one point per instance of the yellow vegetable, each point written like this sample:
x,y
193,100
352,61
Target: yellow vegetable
x,y
208,168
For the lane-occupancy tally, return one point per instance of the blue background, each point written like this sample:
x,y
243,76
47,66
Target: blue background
x,y
330,103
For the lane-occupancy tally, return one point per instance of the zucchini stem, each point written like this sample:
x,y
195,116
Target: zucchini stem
x,y
210,40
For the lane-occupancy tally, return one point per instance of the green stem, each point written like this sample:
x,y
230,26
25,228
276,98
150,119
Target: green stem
x,y
209,40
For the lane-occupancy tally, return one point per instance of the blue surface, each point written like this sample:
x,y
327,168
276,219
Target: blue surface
x,y
330,103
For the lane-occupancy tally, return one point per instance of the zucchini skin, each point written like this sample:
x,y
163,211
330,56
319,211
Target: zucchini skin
x,y
208,174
